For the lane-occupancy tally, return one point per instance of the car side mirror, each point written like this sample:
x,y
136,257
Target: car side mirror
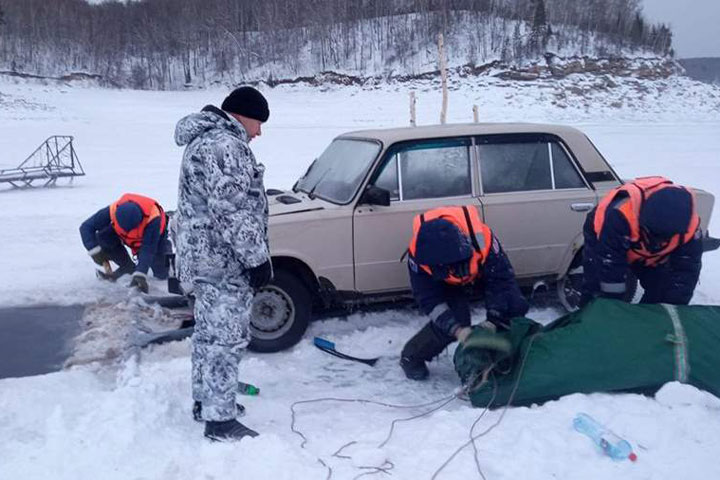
x,y
376,196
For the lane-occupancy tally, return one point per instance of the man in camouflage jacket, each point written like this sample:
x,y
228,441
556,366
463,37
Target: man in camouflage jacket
x,y
222,246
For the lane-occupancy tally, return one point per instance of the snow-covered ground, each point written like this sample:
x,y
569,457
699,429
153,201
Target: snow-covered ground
x,y
131,419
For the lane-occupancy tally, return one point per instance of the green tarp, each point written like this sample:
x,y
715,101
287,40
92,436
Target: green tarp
x,y
609,346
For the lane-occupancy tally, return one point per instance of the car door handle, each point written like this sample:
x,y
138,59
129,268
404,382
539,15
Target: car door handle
x,y
581,207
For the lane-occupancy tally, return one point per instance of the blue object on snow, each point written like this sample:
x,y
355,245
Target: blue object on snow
x,y
612,445
329,347
322,343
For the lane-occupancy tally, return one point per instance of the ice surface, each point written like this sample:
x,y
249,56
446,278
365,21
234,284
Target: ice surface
x,y
130,418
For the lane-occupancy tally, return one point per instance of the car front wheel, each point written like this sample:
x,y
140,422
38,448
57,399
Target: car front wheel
x,y
281,313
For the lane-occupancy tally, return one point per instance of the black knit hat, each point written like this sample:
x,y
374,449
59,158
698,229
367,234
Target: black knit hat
x,y
248,102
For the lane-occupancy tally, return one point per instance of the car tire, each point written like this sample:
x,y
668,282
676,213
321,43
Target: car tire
x,y
281,313
569,287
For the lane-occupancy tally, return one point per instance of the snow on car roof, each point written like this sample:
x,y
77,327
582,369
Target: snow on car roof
x,y
579,144
391,135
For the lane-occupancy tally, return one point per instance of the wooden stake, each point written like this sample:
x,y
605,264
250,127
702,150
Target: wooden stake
x,y
476,114
443,77
412,109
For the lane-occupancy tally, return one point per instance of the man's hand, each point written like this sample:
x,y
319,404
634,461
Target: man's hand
x,y
463,333
139,281
485,339
261,275
98,255
461,269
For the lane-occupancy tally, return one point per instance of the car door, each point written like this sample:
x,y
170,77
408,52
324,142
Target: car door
x,y
419,175
534,199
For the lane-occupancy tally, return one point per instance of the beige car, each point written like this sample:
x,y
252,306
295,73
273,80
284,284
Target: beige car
x,y
339,236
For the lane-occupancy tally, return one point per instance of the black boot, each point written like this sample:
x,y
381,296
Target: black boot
x,y
197,411
119,255
228,431
421,348
414,369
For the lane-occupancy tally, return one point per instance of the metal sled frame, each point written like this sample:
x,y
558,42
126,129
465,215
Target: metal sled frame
x,y
54,158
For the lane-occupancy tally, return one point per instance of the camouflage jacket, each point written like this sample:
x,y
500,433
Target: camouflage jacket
x,y
222,207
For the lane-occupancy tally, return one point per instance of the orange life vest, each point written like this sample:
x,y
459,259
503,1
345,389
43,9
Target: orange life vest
x,y
469,223
151,210
637,192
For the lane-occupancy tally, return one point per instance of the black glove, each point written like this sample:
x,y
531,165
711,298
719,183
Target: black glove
x,y
99,255
139,281
261,275
501,322
502,308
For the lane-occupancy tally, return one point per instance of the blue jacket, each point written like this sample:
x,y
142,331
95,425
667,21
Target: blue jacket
x,y
448,305
98,230
605,260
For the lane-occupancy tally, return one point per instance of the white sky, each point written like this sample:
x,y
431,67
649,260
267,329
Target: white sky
x,y
694,24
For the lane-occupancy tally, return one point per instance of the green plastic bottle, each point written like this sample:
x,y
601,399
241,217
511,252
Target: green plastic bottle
x,y
248,389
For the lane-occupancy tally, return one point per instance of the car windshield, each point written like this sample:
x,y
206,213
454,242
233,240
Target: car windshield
x,y
336,175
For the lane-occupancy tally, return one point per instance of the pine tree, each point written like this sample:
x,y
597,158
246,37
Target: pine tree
x,y
637,31
539,18
540,29
517,43
665,40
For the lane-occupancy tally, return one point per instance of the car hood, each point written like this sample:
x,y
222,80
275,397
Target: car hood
x,y
289,202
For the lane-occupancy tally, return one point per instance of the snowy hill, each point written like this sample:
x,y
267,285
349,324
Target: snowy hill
x,y
162,45
130,417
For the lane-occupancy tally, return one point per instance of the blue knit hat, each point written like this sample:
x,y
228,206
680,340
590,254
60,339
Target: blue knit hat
x,y
667,212
440,242
129,215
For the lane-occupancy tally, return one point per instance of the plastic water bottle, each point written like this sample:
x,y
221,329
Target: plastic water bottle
x,y
612,445
248,389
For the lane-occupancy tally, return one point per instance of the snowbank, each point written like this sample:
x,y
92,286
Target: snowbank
x,y
133,420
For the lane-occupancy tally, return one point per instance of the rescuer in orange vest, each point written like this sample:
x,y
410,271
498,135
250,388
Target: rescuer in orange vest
x,y
451,252
137,222
649,227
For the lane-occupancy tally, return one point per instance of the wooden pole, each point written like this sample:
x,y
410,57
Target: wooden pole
x,y
443,77
476,114
412,109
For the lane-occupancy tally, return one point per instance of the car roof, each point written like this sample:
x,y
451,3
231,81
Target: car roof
x,y
392,135
580,145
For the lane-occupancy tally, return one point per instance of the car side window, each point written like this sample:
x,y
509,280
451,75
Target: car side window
x,y
514,167
566,175
429,169
388,179
433,170
526,166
